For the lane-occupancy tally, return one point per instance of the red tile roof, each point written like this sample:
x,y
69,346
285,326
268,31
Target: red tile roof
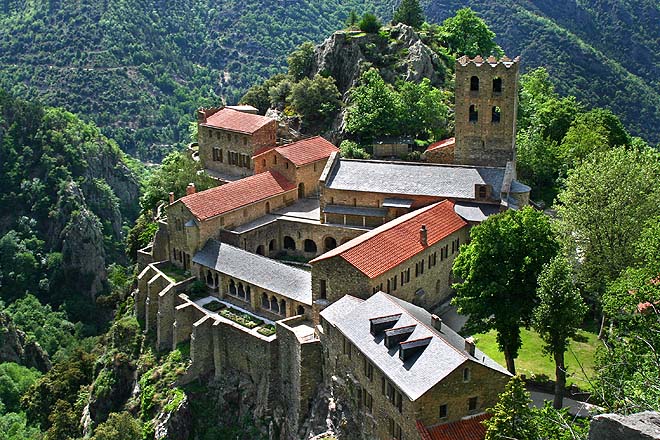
x,y
233,120
467,429
221,199
387,246
305,151
445,143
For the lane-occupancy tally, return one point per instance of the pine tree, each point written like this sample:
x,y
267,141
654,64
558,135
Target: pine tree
x,y
512,416
409,12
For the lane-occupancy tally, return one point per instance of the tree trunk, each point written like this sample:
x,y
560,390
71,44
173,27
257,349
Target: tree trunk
x,y
560,382
510,364
601,332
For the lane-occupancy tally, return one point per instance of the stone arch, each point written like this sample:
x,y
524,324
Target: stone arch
x,y
329,243
265,303
300,310
289,243
497,85
209,278
241,291
474,84
474,113
232,287
301,190
283,307
310,246
345,240
274,305
272,245
260,250
248,294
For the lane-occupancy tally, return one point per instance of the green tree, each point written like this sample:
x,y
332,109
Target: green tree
x,y
317,100
14,426
512,417
374,107
537,161
467,34
14,381
352,150
174,175
119,426
499,270
352,19
369,23
259,94
580,141
600,211
409,12
424,112
558,316
300,60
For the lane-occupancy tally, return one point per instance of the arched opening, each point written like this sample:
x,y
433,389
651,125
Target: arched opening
x,y
289,243
301,190
283,307
274,306
216,280
271,246
497,85
497,114
310,246
329,243
209,278
260,250
248,294
241,291
474,114
267,207
301,310
263,163
264,301
232,287
474,84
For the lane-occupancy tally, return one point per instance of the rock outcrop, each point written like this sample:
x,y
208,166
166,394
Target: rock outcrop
x,y
176,424
641,426
15,347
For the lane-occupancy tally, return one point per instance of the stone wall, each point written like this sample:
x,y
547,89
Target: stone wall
x,y
307,174
240,143
441,155
484,141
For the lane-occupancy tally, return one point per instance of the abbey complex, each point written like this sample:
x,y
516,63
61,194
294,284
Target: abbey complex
x,y
370,246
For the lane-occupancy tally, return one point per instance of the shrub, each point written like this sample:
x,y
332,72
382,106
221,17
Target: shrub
x,y
370,23
267,330
243,319
214,306
352,150
198,290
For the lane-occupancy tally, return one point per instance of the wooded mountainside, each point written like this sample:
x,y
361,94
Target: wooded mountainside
x,y
139,69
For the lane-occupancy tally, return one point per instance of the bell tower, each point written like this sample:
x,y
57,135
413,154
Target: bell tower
x,y
486,108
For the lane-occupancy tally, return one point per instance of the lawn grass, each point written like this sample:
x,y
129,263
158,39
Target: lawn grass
x,y
174,273
532,361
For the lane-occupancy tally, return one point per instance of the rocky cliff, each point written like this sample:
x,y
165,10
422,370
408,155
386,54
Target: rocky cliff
x,y
15,347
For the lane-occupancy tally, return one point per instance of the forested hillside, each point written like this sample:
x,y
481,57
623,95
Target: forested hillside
x,y
139,69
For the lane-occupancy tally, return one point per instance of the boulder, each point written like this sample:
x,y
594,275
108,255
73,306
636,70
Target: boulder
x,y
641,426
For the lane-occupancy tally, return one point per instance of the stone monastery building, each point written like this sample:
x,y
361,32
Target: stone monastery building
x,y
369,248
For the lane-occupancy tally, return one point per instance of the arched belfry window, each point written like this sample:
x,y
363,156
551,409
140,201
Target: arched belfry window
x,y
474,84
474,114
497,85
497,115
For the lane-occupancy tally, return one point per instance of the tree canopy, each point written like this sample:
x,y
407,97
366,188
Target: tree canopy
x,y
498,272
467,34
409,12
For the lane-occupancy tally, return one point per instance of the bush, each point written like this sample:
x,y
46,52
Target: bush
x,y
214,306
267,330
370,23
351,150
198,290
243,319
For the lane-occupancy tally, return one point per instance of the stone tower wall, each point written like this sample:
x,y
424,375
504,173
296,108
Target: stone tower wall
x,y
485,141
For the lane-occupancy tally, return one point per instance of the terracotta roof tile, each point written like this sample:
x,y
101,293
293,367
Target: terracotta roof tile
x,y
467,429
445,143
233,120
305,151
215,201
387,246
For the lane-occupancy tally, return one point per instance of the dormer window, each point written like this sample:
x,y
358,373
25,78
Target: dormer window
x,y
482,192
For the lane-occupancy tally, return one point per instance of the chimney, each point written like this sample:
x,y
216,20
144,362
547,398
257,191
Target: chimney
x,y
423,236
201,116
190,189
436,321
171,198
469,345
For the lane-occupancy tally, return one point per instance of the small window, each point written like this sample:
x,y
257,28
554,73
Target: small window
x,y
497,115
474,113
443,411
474,84
497,85
323,292
263,163
275,160
244,141
472,404
466,374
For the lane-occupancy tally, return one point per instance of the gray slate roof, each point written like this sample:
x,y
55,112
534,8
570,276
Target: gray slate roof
x,y
414,377
355,210
263,272
475,212
412,178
